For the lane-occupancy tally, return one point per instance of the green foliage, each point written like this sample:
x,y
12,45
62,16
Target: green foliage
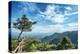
x,y
31,45
45,46
35,45
23,24
14,44
65,44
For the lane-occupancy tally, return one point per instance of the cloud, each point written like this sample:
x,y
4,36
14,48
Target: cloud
x,y
52,28
57,16
67,13
42,29
56,28
68,8
28,6
15,30
51,14
49,10
73,24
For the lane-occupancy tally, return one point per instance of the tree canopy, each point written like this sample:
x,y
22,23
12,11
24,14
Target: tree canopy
x,y
65,44
23,24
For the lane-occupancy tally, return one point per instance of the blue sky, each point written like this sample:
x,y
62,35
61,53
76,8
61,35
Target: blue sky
x,y
50,17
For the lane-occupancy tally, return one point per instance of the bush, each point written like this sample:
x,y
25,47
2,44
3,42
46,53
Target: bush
x,y
65,44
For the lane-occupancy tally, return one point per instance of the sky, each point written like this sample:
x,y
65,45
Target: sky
x,y
50,17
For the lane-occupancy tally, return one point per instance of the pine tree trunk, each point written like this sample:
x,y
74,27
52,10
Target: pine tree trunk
x,y
19,36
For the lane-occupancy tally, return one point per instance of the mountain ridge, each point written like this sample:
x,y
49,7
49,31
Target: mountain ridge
x,y
73,35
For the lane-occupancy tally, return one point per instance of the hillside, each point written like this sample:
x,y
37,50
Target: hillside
x,y
56,37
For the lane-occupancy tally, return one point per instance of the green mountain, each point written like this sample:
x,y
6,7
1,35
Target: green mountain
x,y
56,37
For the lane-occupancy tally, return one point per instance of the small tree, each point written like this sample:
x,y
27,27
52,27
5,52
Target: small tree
x,y
65,44
23,24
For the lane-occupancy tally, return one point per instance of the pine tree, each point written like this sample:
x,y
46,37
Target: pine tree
x,y
65,44
23,24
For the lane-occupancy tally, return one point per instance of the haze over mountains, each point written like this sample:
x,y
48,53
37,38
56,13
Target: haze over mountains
x,y
29,34
54,37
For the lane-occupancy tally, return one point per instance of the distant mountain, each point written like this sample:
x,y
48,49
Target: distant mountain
x,y
72,35
56,37
30,34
